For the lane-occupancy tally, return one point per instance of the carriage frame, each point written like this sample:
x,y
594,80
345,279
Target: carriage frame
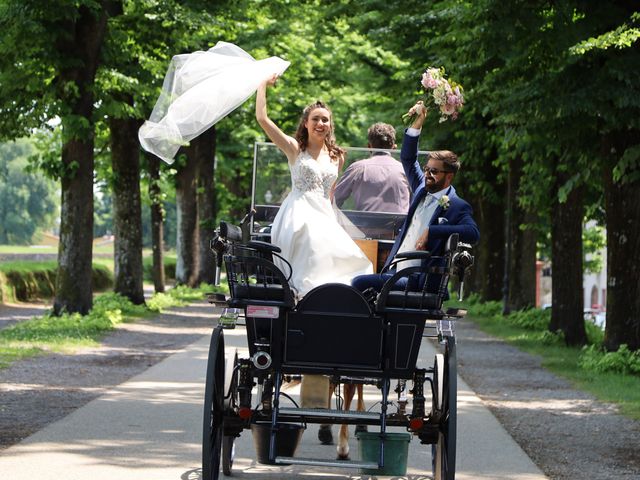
x,y
286,339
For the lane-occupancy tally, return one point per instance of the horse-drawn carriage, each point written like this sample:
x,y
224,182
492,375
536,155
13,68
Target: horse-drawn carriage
x,y
287,338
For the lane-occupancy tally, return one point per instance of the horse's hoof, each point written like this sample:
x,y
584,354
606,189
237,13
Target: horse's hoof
x,y
343,452
324,435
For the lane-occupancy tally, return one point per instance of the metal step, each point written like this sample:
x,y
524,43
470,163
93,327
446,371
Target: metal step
x,y
327,463
327,412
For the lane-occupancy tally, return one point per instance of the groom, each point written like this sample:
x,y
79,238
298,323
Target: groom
x,y
435,213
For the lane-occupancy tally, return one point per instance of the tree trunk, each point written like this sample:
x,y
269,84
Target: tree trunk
x,y
206,197
74,292
157,223
566,255
522,268
522,285
73,282
623,253
487,271
127,212
187,228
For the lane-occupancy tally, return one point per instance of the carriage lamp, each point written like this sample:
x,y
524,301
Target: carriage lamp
x,y
261,360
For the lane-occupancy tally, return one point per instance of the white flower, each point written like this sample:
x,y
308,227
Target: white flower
x,y
444,202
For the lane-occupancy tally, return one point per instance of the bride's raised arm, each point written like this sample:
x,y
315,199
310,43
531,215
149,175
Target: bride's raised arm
x,y
284,142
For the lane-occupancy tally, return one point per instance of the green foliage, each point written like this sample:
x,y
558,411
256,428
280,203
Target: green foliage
x,y
531,325
593,241
102,212
162,301
530,319
169,267
621,37
595,334
27,200
628,169
70,331
182,295
66,332
622,361
29,280
476,307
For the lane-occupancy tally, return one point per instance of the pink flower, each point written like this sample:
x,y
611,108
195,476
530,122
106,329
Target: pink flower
x,y
428,82
448,109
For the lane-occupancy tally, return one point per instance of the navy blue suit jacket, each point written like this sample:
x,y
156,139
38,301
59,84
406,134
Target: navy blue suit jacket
x,y
457,218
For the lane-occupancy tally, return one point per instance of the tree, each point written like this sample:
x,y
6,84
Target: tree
x,y
205,191
187,207
73,283
157,217
50,54
127,208
135,56
523,255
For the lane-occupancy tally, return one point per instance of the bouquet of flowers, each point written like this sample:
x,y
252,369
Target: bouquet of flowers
x,y
439,92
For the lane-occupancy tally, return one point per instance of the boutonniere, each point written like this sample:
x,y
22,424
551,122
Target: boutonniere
x,y
444,202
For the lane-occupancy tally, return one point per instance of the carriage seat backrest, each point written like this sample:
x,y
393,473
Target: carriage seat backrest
x,y
334,325
413,296
255,279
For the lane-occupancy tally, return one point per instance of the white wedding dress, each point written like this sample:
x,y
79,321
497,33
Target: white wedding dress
x,y
306,229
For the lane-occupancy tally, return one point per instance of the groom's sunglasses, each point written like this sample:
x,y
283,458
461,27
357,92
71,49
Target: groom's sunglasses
x,y
434,171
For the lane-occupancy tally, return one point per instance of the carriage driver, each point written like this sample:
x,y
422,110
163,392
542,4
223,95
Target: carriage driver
x,y
436,211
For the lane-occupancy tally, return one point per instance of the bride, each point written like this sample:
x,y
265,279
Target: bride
x,y
305,228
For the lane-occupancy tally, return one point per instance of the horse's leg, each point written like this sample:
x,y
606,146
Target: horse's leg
x,y
324,432
360,408
343,439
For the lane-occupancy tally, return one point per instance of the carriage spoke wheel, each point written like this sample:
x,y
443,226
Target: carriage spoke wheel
x,y
445,399
228,441
213,407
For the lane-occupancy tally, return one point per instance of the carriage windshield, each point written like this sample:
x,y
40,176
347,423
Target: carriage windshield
x,y
272,183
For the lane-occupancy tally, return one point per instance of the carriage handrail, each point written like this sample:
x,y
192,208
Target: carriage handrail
x,y
452,249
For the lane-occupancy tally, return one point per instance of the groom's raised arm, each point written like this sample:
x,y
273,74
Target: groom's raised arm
x,y
409,151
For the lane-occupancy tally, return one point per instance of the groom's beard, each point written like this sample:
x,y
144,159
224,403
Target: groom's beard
x,y
434,185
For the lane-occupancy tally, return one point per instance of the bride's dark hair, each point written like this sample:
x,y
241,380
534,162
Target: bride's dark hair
x,y
302,134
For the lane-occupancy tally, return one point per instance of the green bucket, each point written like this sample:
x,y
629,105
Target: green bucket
x,y
396,451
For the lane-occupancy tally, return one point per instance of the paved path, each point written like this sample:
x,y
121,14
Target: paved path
x,y
150,428
18,312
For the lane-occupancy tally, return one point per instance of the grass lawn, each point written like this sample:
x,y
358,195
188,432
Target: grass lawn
x,y
50,249
68,332
613,387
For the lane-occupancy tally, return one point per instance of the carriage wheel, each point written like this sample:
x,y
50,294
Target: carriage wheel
x,y
231,387
444,452
213,407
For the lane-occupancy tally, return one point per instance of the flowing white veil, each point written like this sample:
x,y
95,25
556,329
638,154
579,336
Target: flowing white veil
x,y
200,89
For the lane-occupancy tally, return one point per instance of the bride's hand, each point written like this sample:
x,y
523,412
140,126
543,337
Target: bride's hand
x,y
272,81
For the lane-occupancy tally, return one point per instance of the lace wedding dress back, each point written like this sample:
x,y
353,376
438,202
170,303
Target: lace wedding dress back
x,y
306,229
